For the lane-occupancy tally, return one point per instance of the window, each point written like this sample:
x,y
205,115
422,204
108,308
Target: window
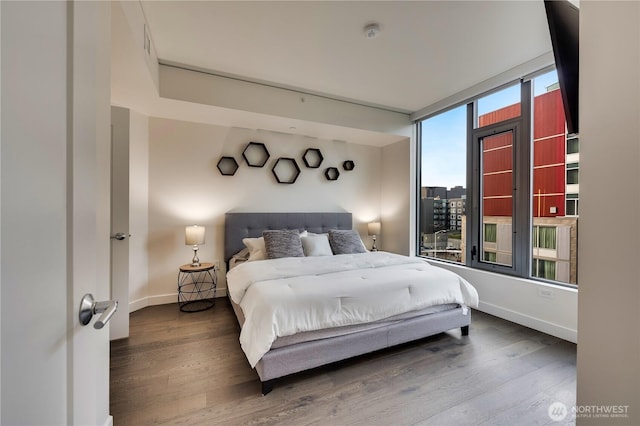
x,y
490,256
522,175
544,237
573,145
495,145
572,206
490,232
544,269
443,141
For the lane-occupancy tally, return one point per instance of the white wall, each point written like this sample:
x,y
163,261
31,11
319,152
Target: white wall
x,y
519,300
396,198
185,188
609,268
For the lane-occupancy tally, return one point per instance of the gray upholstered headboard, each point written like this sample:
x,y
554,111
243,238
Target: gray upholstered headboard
x,y
242,225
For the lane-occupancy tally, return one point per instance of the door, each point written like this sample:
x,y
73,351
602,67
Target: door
x,y
89,215
120,130
55,210
496,197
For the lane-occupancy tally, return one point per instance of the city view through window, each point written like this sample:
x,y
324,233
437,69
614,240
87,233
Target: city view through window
x,y
554,183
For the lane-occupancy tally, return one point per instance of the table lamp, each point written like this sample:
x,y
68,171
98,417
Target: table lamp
x,y
374,229
194,236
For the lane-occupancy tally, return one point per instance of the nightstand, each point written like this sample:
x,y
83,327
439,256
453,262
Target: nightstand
x,y
197,287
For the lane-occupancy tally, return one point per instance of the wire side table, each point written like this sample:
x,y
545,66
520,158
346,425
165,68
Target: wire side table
x,y
197,287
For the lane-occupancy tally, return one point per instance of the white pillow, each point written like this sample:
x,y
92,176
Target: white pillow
x,y
316,245
257,250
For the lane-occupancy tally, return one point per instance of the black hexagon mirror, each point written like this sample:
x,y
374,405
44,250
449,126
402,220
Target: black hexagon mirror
x,y
348,165
286,170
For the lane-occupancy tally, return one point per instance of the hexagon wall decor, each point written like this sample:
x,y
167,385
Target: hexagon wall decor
x,y
227,166
332,173
348,165
255,154
286,170
312,158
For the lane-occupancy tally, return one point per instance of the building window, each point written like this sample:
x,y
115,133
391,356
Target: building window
x,y
544,237
490,256
490,233
572,207
573,145
515,157
544,269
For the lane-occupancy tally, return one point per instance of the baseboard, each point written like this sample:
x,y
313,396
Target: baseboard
x,y
531,322
498,311
164,299
108,421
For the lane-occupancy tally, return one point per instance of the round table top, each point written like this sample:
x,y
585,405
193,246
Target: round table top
x,y
204,266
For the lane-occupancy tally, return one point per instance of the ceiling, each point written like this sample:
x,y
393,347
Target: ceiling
x,y
426,51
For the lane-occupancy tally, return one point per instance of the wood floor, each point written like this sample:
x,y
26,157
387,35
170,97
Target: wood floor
x,y
188,369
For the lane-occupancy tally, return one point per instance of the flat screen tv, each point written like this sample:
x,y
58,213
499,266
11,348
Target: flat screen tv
x,y
564,27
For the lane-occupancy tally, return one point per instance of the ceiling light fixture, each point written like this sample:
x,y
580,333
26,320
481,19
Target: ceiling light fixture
x,y
372,30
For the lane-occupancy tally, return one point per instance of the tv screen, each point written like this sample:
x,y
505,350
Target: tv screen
x,y
564,27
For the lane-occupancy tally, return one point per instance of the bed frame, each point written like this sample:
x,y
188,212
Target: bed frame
x,y
291,359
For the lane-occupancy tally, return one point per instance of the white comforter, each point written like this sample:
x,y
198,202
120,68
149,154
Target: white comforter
x,y
280,297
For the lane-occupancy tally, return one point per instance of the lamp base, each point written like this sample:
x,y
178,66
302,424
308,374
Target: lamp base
x,y
195,261
373,246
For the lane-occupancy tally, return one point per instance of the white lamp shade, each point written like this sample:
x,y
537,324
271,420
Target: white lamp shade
x,y
194,235
374,228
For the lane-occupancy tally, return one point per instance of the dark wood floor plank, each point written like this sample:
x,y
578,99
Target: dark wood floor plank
x,y
181,368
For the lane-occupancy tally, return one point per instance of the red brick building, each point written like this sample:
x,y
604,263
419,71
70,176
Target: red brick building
x,y
549,138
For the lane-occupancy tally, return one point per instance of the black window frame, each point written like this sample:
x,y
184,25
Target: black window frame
x,y
522,220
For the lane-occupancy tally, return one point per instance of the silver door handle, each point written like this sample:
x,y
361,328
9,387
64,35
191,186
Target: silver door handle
x,y
89,307
119,236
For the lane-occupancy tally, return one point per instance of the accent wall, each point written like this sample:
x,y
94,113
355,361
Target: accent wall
x,y
186,187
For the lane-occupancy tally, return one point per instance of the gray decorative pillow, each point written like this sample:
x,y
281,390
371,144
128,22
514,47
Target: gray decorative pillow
x,y
285,243
346,242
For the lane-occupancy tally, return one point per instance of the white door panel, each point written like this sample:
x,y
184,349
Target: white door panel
x,y
55,227
90,145
120,130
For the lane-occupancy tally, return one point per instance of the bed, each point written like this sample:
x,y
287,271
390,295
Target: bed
x,y
314,321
